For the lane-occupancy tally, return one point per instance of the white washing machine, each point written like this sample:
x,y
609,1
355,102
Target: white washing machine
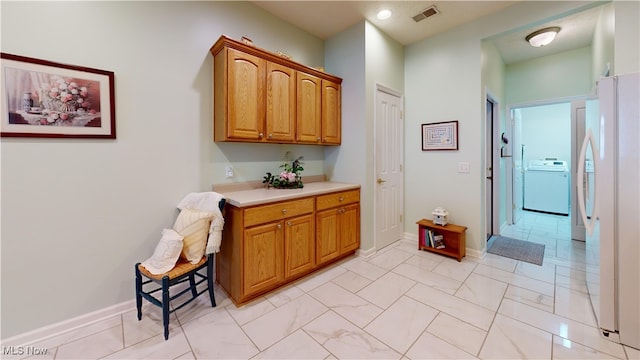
x,y
546,187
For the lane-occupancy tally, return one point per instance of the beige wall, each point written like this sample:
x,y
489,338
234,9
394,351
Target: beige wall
x,y
627,37
78,214
561,75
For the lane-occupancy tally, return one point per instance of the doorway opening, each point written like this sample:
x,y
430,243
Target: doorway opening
x,y
492,158
541,193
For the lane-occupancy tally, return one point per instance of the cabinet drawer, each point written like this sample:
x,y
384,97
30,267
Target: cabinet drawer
x,y
337,199
267,213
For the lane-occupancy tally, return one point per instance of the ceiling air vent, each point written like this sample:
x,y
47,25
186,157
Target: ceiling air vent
x,y
430,11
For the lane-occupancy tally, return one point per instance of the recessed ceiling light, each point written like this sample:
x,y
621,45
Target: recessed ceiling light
x,y
542,37
384,14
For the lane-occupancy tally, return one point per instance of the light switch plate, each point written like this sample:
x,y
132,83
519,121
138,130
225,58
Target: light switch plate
x,y
228,170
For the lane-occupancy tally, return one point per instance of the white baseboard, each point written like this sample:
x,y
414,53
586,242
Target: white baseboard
x,y
476,253
49,331
366,253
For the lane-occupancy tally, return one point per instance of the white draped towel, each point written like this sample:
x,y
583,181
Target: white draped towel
x,y
207,201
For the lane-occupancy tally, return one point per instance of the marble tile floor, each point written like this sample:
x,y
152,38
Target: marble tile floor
x,y
401,303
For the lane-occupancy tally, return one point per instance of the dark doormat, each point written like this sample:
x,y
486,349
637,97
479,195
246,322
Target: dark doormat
x,y
517,249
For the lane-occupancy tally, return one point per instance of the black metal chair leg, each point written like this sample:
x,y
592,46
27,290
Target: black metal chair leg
x,y
165,306
210,279
192,284
138,292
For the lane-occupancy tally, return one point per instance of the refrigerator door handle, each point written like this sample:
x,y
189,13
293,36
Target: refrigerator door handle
x,y
589,224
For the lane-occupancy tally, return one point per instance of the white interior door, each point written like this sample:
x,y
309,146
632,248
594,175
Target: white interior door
x,y
389,155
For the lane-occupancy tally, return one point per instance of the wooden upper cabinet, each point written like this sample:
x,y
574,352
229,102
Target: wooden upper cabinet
x,y
262,97
309,111
281,103
245,97
331,113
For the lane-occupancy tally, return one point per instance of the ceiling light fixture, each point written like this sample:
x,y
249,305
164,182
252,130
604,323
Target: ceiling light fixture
x,y
542,37
384,14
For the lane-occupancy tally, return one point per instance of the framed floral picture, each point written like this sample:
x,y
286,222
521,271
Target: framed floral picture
x,y
440,136
51,100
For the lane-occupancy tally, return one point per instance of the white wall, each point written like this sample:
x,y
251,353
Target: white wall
x,y
546,132
78,214
493,75
627,37
363,56
555,76
603,43
384,66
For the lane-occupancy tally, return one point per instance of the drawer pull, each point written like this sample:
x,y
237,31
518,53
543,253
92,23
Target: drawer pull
x,y
284,211
341,198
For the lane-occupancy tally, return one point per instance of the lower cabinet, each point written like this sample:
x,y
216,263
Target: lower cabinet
x,y
299,246
337,232
270,245
263,250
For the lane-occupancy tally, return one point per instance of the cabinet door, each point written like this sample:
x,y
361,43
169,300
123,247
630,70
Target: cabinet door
x,y
327,240
245,96
309,110
281,103
262,257
299,250
331,113
349,228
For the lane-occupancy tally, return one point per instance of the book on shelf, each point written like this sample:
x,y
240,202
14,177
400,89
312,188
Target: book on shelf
x,y
438,242
428,238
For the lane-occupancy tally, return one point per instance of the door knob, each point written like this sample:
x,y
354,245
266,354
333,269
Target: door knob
x,y
380,181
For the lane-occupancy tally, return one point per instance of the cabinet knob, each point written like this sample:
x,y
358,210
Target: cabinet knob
x,y
270,136
324,140
288,223
318,138
341,198
279,226
260,135
284,211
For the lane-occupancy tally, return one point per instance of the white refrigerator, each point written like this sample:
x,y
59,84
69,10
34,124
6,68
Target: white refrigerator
x,y
611,151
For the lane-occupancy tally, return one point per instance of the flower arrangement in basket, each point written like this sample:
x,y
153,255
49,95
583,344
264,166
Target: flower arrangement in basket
x,y
64,95
289,178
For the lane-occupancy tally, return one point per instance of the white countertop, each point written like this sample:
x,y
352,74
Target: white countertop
x,y
252,197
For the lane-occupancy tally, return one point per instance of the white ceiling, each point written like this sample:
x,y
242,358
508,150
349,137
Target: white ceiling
x,y
325,19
